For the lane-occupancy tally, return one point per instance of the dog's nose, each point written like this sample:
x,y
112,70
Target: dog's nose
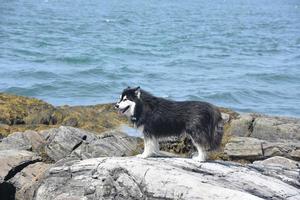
x,y
116,106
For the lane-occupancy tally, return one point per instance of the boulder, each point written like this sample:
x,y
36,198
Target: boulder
x,y
28,140
251,149
112,143
21,170
60,142
27,180
242,126
286,149
244,148
284,169
273,129
57,143
277,129
13,161
279,161
161,178
64,141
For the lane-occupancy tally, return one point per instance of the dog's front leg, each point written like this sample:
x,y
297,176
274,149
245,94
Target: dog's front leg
x,y
151,147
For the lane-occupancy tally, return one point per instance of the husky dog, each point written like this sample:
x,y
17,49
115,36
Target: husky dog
x,y
158,117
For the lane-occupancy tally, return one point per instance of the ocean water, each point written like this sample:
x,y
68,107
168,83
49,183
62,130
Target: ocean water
x,y
241,54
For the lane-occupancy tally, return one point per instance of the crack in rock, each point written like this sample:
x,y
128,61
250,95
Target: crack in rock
x,y
251,126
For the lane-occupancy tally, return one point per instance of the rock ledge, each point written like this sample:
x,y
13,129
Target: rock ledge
x,y
163,178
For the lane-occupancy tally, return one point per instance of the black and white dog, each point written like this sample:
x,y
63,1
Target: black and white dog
x,y
158,117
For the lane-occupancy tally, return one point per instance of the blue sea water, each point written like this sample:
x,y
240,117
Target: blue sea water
x,y
241,54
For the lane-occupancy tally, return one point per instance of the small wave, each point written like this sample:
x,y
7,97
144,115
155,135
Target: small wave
x,y
27,52
130,70
273,77
22,74
192,98
89,72
188,63
125,21
34,91
223,97
75,59
136,52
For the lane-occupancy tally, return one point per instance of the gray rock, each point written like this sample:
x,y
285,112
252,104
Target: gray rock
x,y
60,142
65,141
249,148
28,140
12,161
27,180
19,172
278,161
295,154
15,141
243,126
277,129
244,148
108,144
160,178
280,149
273,129
281,168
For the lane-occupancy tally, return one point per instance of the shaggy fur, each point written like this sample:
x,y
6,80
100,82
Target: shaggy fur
x,y
159,117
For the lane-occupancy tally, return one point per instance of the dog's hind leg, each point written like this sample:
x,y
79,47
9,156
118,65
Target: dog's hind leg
x,y
151,147
200,149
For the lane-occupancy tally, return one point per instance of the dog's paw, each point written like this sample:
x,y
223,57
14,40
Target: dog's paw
x,y
142,156
199,158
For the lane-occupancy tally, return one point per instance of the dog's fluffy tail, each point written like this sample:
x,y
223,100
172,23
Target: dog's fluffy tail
x,y
218,131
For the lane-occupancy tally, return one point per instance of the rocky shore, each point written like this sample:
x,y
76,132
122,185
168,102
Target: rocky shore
x,y
79,152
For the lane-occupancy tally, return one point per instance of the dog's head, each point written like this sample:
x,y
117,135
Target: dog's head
x,y
128,101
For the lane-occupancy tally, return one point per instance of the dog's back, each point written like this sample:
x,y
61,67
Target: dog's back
x,y
200,120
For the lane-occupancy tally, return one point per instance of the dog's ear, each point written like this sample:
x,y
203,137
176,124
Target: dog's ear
x,y
137,92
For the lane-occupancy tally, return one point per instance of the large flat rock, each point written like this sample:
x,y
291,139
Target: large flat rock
x,y
161,178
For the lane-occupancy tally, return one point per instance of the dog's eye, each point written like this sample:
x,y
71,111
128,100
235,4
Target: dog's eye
x,y
124,99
